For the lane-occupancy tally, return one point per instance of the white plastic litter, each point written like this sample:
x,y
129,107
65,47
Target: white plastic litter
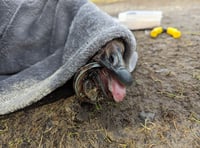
x,y
136,20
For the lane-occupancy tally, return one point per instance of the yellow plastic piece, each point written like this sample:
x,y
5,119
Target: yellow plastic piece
x,y
156,31
175,33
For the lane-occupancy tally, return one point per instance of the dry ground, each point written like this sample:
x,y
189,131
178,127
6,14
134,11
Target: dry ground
x,y
162,107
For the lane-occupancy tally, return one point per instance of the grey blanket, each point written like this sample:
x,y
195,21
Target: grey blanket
x,y
44,42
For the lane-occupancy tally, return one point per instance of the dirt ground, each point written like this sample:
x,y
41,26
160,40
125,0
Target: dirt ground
x,y
162,107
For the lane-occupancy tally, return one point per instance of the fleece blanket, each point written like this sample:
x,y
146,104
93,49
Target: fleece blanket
x,y
44,42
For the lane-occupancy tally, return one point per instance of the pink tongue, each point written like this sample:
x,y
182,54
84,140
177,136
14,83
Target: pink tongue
x,y
117,89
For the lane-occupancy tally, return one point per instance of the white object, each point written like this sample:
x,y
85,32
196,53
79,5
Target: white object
x,y
136,20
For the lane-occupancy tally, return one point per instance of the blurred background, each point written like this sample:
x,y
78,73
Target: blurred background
x,y
113,7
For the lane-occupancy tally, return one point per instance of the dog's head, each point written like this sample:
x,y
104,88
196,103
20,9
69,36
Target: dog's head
x,y
105,74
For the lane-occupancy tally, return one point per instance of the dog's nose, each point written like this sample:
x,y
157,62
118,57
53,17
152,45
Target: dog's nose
x,y
123,75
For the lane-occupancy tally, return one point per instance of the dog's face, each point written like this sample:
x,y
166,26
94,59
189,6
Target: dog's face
x,y
107,74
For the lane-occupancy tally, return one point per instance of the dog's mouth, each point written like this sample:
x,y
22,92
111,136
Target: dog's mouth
x,y
93,81
111,86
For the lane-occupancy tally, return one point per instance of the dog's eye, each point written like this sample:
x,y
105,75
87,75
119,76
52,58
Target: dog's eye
x,y
113,59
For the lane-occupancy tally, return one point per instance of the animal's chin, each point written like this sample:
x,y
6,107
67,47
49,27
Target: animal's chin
x,y
111,87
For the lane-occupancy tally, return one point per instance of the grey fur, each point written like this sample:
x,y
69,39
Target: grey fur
x,y
44,42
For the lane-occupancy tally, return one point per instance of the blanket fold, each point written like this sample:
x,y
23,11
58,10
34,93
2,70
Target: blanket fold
x,y
44,42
